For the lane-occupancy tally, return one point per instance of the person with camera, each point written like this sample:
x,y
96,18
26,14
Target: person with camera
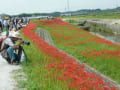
x,y
10,50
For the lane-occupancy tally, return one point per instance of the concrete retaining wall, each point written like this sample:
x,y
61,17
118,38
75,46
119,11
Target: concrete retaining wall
x,y
112,25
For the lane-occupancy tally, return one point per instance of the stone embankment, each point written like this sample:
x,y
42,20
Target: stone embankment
x,y
44,36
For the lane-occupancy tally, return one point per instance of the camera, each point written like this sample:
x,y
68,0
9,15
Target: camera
x,y
26,42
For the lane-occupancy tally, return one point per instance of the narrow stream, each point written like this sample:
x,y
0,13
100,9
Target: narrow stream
x,y
113,38
108,36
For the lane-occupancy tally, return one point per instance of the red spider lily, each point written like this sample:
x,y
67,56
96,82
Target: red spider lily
x,y
66,65
53,22
83,53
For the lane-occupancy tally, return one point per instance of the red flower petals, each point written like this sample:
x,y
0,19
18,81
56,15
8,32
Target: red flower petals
x,y
69,70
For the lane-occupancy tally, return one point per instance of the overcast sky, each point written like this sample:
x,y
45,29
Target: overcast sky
x,y
13,7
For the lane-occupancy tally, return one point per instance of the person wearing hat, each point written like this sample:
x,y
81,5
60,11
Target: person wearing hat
x,y
8,48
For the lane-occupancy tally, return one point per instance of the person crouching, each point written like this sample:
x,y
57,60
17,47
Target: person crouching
x,y
11,50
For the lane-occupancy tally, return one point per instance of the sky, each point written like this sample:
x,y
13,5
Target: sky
x,y
13,7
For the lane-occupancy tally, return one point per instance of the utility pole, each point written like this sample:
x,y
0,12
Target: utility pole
x,y
68,5
68,8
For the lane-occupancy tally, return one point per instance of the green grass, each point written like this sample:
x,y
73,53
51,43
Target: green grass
x,y
108,64
95,16
35,71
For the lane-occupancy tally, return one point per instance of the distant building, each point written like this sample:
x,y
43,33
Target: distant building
x,y
65,14
39,17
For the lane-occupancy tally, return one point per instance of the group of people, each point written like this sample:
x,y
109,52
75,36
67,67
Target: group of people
x,y
10,50
12,24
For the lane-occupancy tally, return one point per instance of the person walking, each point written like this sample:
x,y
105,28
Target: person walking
x,y
11,25
6,25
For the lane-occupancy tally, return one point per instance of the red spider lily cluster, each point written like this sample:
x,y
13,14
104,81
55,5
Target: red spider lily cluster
x,y
102,53
58,31
53,22
68,70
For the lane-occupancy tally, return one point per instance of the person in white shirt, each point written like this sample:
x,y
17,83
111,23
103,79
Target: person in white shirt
x,y
8,49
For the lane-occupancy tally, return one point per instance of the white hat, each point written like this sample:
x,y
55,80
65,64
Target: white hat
x,y
15,35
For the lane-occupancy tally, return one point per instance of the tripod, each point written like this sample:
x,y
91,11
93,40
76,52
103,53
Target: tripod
x,y
26,58
18,56
20,50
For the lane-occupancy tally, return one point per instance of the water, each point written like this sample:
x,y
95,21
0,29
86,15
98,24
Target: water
x,y
111,37
108,36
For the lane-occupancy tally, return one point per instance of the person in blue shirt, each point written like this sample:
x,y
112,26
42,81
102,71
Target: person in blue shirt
x,y
6,25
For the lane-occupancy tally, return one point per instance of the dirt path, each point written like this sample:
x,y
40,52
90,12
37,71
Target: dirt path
x,y
7,81
46,37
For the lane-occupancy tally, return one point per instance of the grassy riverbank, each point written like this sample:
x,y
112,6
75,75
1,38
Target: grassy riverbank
x,y
51,69
37,75
95,16
101,54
